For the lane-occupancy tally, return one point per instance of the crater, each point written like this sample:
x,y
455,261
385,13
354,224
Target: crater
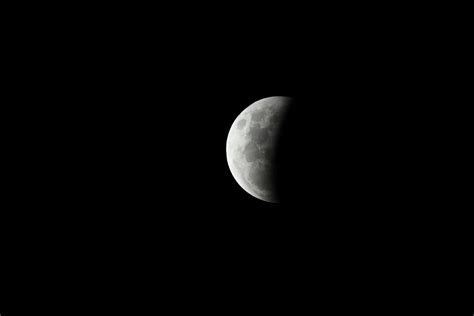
x,y
257,116
251,152
258,135
241,123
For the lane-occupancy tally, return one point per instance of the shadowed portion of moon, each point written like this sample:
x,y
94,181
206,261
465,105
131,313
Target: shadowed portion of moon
x,y
252,145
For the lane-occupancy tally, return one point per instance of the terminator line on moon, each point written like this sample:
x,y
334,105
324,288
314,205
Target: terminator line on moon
x,y
251,145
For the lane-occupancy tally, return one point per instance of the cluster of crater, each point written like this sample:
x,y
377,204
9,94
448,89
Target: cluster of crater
x,y
252,146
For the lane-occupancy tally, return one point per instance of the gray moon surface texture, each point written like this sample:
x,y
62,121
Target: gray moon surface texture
x,y
251,145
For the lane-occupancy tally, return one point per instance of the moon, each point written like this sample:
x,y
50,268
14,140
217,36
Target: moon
x,y
251,146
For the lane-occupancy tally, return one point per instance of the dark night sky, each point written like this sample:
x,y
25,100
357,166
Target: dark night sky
x,y
122,187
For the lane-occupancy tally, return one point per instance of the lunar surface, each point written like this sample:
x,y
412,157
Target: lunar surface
x,y
251,146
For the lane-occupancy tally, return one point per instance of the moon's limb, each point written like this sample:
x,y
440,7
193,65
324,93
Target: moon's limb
x,y
251,146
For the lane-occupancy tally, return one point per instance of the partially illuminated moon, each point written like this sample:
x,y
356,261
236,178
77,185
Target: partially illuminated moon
x,y
251,146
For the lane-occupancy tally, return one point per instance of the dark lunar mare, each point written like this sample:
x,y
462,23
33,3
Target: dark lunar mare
x,y
259,151
277,122
263,144
241,124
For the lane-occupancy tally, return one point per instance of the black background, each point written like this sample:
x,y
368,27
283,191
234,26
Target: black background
x,y
121,197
